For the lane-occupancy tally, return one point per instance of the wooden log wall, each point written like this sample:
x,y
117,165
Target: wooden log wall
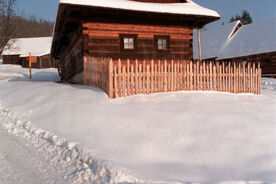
x,y
11,59
120,79
72,64
42,62
102,40
267,60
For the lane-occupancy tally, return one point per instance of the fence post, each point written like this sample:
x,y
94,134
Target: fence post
x,y
128,78
110,78
136,77
124,80
191,75
132,86
144,77
115,82
159,76
152,73
253,79
165,79
119,78
259,77
140,78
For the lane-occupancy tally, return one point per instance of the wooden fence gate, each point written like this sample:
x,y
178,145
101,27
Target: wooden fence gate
x,y
120,78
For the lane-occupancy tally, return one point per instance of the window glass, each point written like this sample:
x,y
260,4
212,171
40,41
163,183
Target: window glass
x,y
162,44
128,43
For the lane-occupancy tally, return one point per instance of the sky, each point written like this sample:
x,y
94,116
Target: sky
x,y
259,9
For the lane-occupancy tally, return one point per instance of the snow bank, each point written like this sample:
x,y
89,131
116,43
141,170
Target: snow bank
x,y
78,164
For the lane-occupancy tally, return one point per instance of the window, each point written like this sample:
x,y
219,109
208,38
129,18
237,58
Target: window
x,y
128,42
162,43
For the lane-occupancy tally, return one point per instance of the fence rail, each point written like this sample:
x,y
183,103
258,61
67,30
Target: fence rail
x,y
125,78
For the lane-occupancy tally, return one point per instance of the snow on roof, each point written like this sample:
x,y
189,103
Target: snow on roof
x,y
251,39
22,46
188,8
213,40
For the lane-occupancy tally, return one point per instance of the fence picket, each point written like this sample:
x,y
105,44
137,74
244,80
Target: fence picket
x,y
165,77
148,80
151,76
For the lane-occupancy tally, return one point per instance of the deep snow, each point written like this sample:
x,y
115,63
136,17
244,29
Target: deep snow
x,y
203,137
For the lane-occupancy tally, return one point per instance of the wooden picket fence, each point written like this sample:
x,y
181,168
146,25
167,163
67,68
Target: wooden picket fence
x,y
121,78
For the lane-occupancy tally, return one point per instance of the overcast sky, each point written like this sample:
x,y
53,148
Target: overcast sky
x,y
259,9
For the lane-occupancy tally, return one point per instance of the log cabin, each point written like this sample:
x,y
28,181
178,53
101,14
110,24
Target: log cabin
x,y
17,52
126,29
253,43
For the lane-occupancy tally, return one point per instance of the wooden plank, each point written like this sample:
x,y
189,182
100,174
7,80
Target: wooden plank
x,y
215,76
188,75
159,76
244,78
181,81
136,78
148,79
151,76
119,78
198,75
234,78
191,75
177,76
144,78
156,89
259,78
169,77
172,75
211,76
248,77
115,82
124,80
194,76
128,78
132,85
253,78
140,79
220,77
204,76
165,77
162,75
110,78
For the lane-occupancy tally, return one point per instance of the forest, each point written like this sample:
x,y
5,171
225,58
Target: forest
x,y
17,25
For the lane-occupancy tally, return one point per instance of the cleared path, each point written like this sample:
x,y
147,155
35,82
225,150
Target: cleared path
x,y
18,164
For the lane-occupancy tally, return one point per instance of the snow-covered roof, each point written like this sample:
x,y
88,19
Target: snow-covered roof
x,y
22,46
252,39
188,8
213,40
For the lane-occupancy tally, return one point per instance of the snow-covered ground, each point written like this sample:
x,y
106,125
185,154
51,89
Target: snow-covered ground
x,y
19,163
200,137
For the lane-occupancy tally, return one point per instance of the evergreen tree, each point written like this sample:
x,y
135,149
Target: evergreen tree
x,y
245,18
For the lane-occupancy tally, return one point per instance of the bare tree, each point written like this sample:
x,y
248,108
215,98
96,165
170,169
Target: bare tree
x,y
7,13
